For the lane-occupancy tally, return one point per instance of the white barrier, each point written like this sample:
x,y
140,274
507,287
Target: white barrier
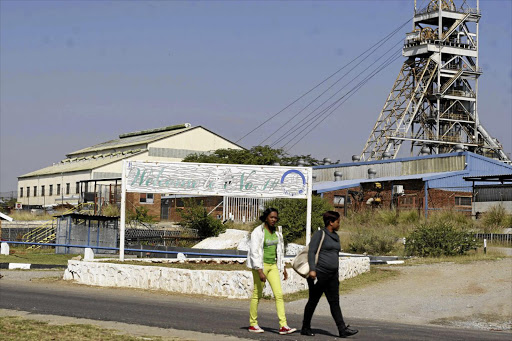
x,y
231,284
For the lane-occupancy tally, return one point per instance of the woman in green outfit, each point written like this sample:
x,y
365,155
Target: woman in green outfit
x,y
266,259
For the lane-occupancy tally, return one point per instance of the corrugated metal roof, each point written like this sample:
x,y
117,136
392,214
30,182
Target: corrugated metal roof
x,y
133,139
81,164
412,158
329,186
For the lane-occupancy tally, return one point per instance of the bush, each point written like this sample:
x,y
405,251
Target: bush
x,y
111,210
497,216
195,216
439,238
292,215
372,240
140,215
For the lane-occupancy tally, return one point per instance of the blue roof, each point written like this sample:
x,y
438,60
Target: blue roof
x,y
329,186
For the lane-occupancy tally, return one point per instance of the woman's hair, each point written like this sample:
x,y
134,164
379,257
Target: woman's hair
x,y
330,217
266,213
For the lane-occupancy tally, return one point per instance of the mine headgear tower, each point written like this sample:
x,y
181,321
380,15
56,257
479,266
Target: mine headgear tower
x,y
433,103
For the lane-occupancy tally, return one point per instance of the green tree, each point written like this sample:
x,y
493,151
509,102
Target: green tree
x,y
195,216
292,215
258,155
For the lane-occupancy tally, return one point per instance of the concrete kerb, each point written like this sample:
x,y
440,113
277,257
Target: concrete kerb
x,y
230,284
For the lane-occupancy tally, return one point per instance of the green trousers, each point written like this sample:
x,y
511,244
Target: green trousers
x,y
274,279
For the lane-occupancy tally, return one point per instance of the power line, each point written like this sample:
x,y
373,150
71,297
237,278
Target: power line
x,y
352,92
374,48
296,126
316,86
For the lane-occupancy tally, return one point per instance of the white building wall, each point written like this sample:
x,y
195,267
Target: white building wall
x,y
54,180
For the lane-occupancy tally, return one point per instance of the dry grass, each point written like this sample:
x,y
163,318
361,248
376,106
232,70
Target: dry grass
x,y
472,256
18,328
27,216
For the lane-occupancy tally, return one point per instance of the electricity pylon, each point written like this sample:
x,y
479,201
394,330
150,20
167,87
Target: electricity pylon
x,y
433,103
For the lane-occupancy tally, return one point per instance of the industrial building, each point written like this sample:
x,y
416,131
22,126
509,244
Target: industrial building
x,y
93,174
425,183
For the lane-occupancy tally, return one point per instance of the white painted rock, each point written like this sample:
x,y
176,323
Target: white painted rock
x,y
227,240
293,249
88,254
4,249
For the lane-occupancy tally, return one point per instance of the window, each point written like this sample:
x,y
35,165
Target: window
x,y
50,190
35,191
77,188
339,200
42,191
58,189
463,201
21,192
68,186
406,200
146,198
28,192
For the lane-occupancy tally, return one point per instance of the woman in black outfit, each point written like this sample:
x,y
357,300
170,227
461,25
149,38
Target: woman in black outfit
x,y
323,276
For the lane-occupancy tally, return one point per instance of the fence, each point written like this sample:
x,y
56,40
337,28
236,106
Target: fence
x,y
505,238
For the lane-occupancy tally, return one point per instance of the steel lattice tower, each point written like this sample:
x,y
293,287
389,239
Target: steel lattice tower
x,y
433,103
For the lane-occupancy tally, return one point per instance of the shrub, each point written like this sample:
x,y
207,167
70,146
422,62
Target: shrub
x,y
292,215
372,240
497,216
195,216
111,210
439,238
140,215
388,217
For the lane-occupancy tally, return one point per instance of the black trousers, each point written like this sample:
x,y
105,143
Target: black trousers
x,y
327,284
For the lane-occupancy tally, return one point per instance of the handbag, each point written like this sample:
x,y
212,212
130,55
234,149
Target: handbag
x,y
300,262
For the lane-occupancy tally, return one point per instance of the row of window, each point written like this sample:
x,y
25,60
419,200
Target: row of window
x,y
50,190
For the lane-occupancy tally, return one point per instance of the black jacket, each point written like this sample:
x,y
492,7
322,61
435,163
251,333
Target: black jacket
x,y
328,259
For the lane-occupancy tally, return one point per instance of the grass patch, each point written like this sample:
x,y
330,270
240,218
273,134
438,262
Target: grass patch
x,y
375,275
471,256
190,266
21,254
17,328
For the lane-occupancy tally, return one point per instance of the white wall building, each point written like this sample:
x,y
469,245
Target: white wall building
x,y
59,183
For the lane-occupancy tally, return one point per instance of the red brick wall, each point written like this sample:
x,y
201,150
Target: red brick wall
x,y
133,200
413,197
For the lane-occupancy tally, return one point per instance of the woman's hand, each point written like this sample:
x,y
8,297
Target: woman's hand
x,y
263,278
285,274
312,275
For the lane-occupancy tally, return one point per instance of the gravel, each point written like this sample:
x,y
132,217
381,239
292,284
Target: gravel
x,y
477,295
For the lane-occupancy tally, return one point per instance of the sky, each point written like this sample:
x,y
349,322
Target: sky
x,y
77,73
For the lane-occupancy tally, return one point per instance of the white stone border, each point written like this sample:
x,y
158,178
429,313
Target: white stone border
x,y
230,284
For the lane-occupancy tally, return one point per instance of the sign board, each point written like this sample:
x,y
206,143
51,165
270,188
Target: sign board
x,y
18,206
218,179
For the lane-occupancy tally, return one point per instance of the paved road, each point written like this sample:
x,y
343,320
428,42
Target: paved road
x,y
201,314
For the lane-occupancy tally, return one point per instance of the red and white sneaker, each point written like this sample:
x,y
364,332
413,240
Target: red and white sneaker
x,y
256,329
286,330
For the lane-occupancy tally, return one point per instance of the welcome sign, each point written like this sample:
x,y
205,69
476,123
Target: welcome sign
x,y
217,179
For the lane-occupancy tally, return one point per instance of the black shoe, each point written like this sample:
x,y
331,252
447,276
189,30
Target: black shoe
x,y
307,332
348,332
